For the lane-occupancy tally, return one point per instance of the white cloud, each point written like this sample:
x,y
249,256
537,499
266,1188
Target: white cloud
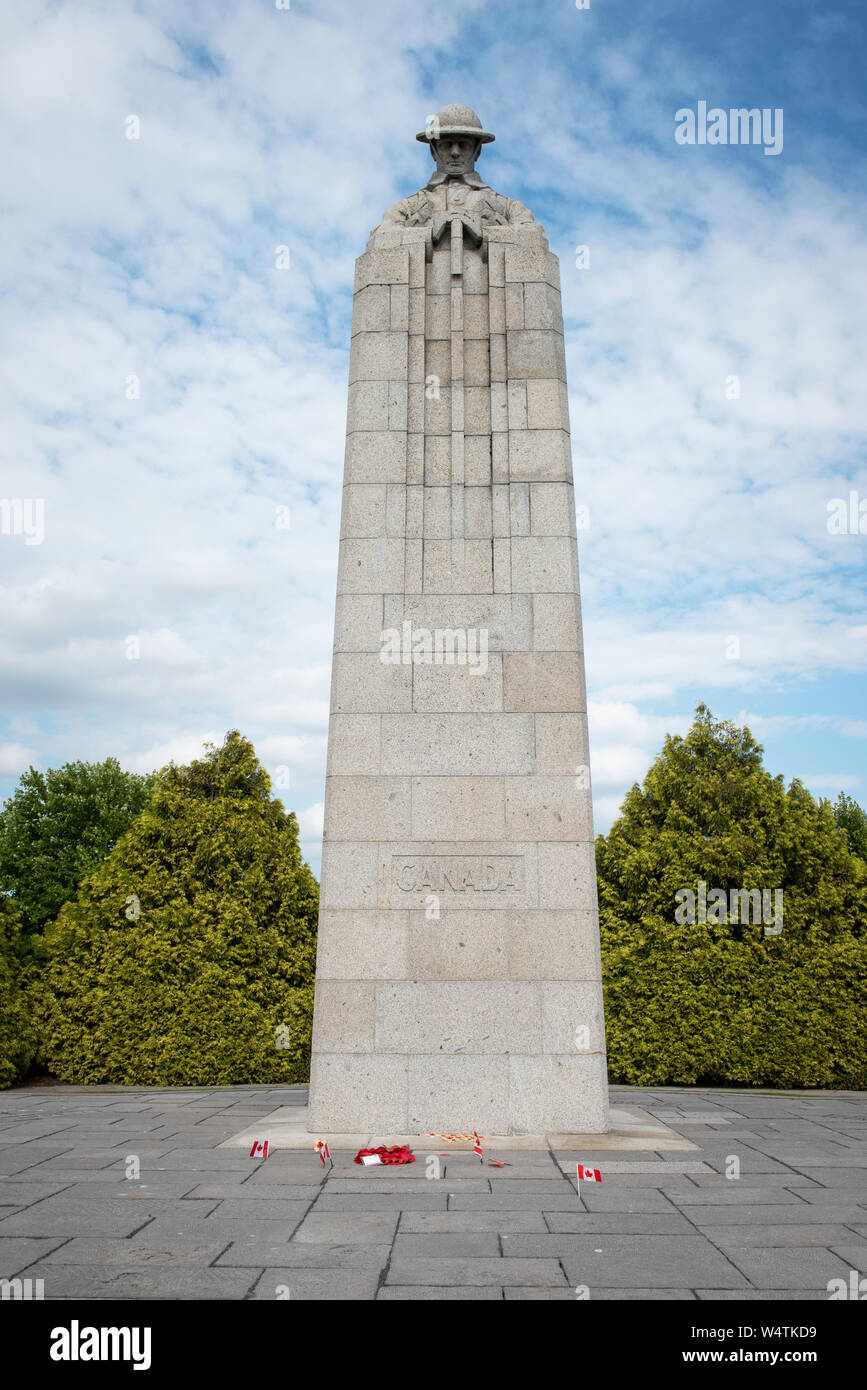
x,y
15,758
834,781
181,750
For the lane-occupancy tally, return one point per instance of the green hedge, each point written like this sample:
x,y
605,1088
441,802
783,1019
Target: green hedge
x,y
188,957
721,1002
17,1030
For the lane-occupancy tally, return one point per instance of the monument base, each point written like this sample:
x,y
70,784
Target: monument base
x,y
631,1129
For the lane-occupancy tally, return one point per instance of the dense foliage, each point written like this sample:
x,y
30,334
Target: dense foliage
x,y
853,819
722,1000
17,1032
188,955
58,826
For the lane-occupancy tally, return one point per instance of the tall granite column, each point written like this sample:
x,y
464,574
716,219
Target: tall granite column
x,y
458,979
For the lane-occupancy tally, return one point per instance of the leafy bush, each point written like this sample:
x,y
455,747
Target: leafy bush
x,y
17,1031
188,957
721,1001
58,826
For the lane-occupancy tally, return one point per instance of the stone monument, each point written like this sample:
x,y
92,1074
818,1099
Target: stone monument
x,y
458,981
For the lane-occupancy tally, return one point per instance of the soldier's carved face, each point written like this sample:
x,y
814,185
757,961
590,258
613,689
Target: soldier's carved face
x,y
456,154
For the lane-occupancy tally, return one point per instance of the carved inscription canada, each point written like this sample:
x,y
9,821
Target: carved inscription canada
x,y
458,873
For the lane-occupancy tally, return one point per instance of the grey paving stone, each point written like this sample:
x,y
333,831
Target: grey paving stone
x,y
497,1176
622,1170
515,1201
301,1255
673,1182
385,1201
735,1194
215,1229
771,1237
842,1176
448,1271
750,1162
796,1267
544,1294
72,1160
456,1243
593,1157
17,1253
355,1285
158,1282
854,1253
640,1295
207,1159
796,1156
637,1223
849,1196
349,1172
606,1295
558,1187
611,1261
241,1192
760,1295
413,1293
787,1181
327,1228
67,1177
288,1192
280,1167
177,1216
131,1191
78,1218
354,1189
24,1194
137,1253
420,1222
21,1163
254,1212
794,1214
595,1198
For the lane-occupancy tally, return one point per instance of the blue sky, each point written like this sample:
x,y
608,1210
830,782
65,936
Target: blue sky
x,y
708,570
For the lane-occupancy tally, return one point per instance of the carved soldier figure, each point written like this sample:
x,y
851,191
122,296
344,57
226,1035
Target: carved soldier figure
x,y
455,137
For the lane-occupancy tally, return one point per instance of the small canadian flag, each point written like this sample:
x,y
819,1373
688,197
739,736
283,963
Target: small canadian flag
x,y
259,1149
323,1151
477,1144
588,1174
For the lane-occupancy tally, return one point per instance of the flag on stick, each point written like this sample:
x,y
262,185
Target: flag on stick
x,y
324,1152
259,1149
477,1146
589,1174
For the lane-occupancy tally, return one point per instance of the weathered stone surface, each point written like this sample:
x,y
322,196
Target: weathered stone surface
x,y
469,1092
458,978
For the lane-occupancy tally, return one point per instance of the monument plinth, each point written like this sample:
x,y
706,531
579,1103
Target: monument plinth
x,y
458,979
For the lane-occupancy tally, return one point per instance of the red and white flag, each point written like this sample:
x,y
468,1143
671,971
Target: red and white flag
x,y
588,1174
259,1149
477,1144
323,1151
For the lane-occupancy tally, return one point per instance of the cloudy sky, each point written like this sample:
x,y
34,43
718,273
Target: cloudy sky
x,y
168,390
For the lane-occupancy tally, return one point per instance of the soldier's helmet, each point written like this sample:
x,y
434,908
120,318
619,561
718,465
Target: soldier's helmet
x,y
454,119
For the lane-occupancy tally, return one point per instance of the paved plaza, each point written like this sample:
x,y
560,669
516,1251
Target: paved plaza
x,y
200,1222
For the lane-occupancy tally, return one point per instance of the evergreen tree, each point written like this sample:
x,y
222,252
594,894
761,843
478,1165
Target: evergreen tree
x,y
188,957
58,826
722,1000
853,819
17,1032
